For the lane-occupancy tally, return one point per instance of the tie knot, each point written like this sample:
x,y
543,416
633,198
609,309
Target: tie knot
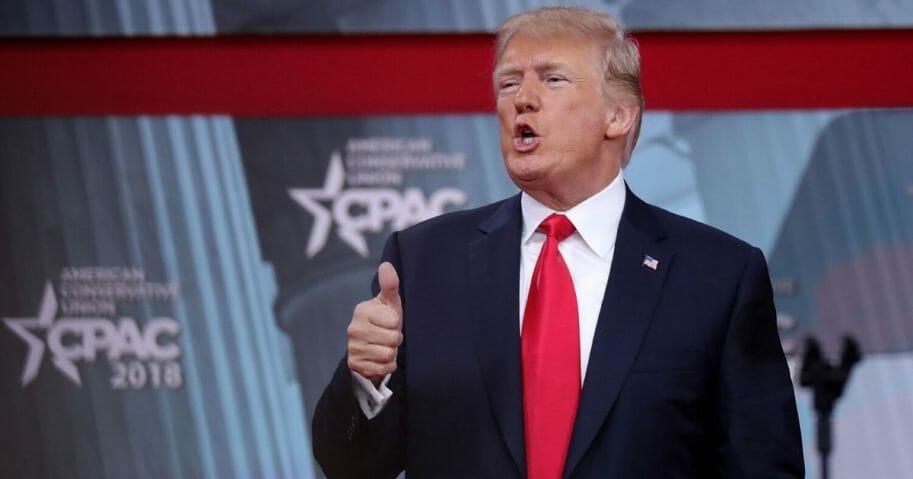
x,y
557,226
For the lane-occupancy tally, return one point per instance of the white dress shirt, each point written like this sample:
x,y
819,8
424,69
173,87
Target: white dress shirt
x,y
588,254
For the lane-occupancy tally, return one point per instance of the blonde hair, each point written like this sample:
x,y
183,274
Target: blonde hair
x,y
621,57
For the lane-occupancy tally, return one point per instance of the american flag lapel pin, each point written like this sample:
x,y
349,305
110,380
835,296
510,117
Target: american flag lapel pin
x,y
650,262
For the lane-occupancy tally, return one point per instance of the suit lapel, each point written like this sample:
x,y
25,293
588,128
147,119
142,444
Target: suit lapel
x,y
494,261
627,308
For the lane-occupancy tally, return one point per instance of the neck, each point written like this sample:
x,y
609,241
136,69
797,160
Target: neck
x,y
556,202
563,199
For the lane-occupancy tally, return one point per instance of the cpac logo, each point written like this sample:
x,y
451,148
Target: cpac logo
x,y
82,339
365,210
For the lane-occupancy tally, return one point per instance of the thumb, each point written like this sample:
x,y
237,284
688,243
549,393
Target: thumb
x,y
389,286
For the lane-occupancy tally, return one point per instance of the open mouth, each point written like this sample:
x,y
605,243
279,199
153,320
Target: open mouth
x,y
525,134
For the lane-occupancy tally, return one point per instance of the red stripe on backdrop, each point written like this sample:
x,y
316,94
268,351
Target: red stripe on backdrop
x,y
402,74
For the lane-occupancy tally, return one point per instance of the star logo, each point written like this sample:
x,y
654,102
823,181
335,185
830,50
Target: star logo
x,y
43,321
360,211
310,198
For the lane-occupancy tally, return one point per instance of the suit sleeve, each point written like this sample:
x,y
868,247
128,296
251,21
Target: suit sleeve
x,y
346,443
760,427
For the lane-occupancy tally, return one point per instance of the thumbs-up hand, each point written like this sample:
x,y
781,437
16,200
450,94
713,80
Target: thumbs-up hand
x,y
376,330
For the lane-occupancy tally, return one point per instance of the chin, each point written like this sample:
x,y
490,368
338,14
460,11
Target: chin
x,y
519,172
526,166
524,180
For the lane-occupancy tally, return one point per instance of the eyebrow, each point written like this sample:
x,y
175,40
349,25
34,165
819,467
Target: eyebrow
x,y
539,67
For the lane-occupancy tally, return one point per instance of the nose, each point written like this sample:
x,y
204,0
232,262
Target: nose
x,y
527,97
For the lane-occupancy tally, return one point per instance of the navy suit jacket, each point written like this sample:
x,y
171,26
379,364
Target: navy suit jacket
x,y
686,378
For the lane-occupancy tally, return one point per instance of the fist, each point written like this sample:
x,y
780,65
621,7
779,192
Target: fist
x,y
376,330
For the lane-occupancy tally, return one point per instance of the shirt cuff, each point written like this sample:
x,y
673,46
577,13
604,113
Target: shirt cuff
x,y
371,399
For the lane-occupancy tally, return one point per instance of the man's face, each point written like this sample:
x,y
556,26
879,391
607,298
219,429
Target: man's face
x,y
553,118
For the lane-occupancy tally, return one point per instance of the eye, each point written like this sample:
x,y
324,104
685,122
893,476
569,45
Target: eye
x,y
507,85
555,79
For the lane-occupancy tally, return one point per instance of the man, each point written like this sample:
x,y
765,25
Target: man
x,y
642,344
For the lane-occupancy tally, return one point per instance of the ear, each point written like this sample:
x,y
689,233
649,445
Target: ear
x,y
621,118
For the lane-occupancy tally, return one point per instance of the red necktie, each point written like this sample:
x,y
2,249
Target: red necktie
x,y
550,344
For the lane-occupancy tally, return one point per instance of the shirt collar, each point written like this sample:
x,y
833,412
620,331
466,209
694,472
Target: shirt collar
x,y
595,218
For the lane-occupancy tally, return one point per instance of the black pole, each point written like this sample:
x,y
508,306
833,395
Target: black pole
x,y
827,382
824,443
